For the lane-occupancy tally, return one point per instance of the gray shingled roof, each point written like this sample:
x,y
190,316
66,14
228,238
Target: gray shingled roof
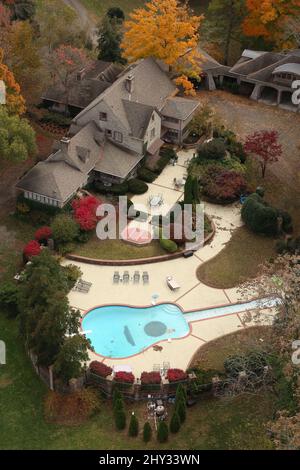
x,y
179,108
97,77
56,180
66,170
151,86
138,117
116,160
257,64
266,74
288,68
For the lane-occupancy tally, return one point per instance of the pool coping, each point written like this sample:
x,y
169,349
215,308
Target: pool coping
x,y
184,312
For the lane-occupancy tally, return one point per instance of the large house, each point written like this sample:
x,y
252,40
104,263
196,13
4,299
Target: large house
x,y
262,76
110,137
84,86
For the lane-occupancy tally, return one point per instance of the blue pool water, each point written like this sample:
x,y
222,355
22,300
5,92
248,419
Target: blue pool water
x,y
121,331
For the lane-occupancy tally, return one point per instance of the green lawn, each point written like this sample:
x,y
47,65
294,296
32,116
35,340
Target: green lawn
x,y
238,261
211,424
98,8
117,249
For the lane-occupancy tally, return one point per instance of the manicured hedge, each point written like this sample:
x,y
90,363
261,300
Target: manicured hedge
x,y
101,369
213,150
260,217
136,186
146,175
169,245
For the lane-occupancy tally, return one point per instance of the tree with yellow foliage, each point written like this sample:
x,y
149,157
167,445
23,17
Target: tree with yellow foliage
x,y
166,30
15,103
268,18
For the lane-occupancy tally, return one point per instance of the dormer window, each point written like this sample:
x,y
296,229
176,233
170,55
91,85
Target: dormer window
x,y
103,116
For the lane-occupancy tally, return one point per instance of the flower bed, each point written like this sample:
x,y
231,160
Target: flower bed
x,y
150,378
124,377
101,369
176,375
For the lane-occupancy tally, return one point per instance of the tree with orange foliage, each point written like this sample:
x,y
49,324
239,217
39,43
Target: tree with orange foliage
x,y
166,30
267,19
15,103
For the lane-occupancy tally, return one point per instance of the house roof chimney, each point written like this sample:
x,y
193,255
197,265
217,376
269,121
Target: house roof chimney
x,y
64,143
129,83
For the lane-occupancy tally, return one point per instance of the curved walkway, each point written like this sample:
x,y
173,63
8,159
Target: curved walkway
x,y
192,294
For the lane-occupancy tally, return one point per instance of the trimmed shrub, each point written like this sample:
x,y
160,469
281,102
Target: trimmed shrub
x,y
101,369
117,395
148,378
32,248
57,119
175,423
181,393
118,405
136,186
168,245
260,217
180,408
162,432
133,430
64,229
120,420
85,210
43,233
213,150
124,377
176,375
147,432
146,175
222,185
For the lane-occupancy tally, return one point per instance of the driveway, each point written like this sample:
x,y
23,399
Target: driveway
x,y
86,20
245,116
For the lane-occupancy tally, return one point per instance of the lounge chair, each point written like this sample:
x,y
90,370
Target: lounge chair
x,y
173,285
126,277
116,277
145,277
136,277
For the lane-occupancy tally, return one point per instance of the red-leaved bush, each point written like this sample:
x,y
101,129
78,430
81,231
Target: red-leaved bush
x,y
176,375
222,185
85,210
99,368
31,249
43,233
148,378
124,377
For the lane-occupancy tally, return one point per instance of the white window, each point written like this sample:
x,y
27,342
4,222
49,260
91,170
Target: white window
x,y
152,134
103,116
118,136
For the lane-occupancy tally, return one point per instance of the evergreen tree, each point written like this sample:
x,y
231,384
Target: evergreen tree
x,y
109,39
147,432
223,24
175,423
133,426
162,432
120,420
